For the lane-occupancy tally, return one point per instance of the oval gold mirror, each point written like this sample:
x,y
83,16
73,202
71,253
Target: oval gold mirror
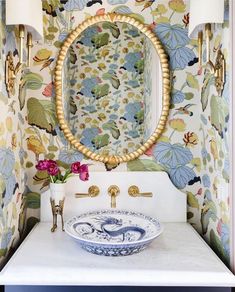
x,y
112,82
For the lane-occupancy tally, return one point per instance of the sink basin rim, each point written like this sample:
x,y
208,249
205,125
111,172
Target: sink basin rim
x,y
147,240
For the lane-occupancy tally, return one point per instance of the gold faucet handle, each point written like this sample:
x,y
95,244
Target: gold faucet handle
x,y
113,191
93,191
134,191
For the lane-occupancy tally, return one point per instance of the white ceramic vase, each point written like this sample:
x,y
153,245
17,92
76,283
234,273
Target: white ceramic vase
x,y
57,192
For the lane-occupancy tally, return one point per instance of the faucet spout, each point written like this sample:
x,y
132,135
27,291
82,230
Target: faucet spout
x,y
113,191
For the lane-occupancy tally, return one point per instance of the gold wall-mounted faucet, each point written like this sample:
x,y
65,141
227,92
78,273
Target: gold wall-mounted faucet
x,y
93,191
134,191
113,191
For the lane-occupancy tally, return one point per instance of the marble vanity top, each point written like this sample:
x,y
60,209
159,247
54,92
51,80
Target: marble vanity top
x,y
179,257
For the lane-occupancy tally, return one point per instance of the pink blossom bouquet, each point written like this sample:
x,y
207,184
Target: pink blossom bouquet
x,y
55,174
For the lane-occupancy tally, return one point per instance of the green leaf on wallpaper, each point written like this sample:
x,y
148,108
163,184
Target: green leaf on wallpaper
x,y
58,44
100,90
14,211
33,200
3,252
72,56
113,28
52,148
207,82
189,95
219,114
192,81
31,81
115,82
29,164
41,113
113,79
139,66
100,40
144,165
100,141
72,106
217,246
112,127
192,200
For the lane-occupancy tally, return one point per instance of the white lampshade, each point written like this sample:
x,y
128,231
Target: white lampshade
x,y
202,12
28,13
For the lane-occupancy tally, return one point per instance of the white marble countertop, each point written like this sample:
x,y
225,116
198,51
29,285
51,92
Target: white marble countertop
x,y
179,257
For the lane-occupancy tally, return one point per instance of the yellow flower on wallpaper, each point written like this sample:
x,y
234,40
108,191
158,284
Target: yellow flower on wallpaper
x,y
177,5
196,162
177,125
9,124
2,129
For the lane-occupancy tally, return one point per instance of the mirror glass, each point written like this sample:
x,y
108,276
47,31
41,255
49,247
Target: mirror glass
x,y
112,88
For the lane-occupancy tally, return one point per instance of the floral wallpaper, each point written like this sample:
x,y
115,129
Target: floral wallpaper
x,y
193,149
13,203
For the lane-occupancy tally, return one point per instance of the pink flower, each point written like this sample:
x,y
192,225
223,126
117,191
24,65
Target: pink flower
x,y
42,165
84,174
45,164
219,227
199,192
75,167
53,169
49,90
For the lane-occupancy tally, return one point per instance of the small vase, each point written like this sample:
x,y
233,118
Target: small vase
x,y
57,203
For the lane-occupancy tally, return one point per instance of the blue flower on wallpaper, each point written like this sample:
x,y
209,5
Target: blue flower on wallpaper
x,y
203,119
204,153
87,36
10,187
133,133
181,175
208,195
6,238
79,4
225,234
123,9
116,2
7,161
172,36
88,84
130,61
88,135
132,109
181,57
172,156
177,96
70,156
206,181
62,36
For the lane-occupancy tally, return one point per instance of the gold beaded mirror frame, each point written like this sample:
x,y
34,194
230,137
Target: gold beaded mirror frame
x,y
166,88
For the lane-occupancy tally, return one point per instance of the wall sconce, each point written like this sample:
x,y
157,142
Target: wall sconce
x,y
202,15
27,14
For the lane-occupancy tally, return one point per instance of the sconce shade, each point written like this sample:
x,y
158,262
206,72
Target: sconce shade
x,y
28,13
202,12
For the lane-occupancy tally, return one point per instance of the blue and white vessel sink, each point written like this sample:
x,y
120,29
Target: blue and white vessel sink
x,y
113,232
